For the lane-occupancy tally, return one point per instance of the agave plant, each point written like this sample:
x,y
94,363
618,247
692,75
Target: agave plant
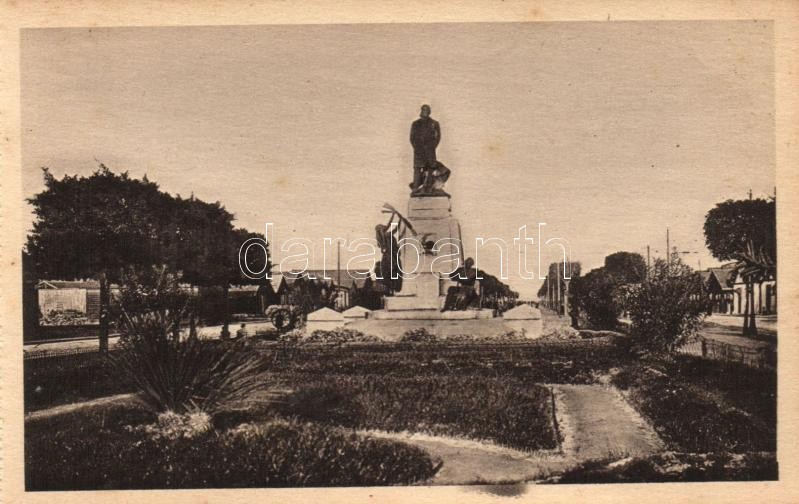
x,y
187,375
174,373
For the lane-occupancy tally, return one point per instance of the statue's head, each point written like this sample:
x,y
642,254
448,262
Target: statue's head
x,y
425,111
469,262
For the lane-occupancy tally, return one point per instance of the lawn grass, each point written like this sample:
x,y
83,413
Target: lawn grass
x,y
508,412
53,381
102,449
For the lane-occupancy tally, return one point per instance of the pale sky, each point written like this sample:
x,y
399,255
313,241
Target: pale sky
x,y
607,132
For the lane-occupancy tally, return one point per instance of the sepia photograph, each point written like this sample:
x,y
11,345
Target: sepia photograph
x,y
419,254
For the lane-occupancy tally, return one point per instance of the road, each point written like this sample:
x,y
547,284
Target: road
x,y
80,345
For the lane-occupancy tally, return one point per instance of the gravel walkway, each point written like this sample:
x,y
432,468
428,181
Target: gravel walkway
x,y
594,420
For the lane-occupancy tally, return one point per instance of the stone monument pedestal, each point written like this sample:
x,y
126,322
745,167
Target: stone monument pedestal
x,y
424,288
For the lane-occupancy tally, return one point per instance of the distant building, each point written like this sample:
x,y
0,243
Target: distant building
x,y
728,292
81,296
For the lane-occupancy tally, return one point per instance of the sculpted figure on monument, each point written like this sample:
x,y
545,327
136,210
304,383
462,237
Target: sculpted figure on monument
x,y
462,296
389,268
429,174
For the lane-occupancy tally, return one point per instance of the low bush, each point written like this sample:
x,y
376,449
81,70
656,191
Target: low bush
x,y
101,451
667,309
64,317
505,411
570,361
507,337
341,335
561,333
677,467
292,336
418,335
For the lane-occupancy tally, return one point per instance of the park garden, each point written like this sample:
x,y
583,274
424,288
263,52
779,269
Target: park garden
x,y
164,408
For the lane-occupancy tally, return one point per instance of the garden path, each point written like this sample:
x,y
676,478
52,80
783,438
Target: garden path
x,y
72,407
595,422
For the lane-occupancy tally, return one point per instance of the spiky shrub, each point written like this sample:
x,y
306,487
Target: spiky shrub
x,y
172,372
188,375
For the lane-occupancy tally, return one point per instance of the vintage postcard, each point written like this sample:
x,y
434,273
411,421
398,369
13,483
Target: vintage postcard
x,y
397,252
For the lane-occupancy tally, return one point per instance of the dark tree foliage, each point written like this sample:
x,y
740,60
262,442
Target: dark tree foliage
x,y
745,231
97,226
85,225
626,267
594,297
496,294
730,226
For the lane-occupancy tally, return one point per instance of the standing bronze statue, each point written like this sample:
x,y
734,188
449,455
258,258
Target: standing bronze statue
x,y
429,175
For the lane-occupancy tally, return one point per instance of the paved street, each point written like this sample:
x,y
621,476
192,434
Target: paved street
x,y
207,332
728,329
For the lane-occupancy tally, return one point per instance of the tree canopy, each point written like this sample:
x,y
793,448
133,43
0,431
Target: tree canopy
x,y
731,226
745,231
626,267
107,222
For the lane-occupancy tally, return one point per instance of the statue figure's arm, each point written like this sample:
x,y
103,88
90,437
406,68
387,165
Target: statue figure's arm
x,y
437,129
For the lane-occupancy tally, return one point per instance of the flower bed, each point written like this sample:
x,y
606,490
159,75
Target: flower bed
x,y
505,411
113,448
570,361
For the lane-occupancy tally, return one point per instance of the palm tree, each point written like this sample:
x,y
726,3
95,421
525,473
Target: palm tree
x,y
755,265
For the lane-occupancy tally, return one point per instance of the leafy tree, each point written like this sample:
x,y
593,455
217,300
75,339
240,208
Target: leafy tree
x,y
95,226
99,225
594,298
555,275
667,308
626,267
496,294
745,231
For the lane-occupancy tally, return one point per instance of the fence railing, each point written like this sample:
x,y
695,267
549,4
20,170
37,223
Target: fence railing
x,y
62,353
762,357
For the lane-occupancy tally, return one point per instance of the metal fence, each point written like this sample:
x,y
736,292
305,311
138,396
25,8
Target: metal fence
x,y
65,353
762,357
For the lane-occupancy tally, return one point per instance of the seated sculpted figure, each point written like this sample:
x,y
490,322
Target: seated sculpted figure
x,y
462,296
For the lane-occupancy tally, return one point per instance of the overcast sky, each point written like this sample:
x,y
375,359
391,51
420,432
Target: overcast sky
x,y
607,132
